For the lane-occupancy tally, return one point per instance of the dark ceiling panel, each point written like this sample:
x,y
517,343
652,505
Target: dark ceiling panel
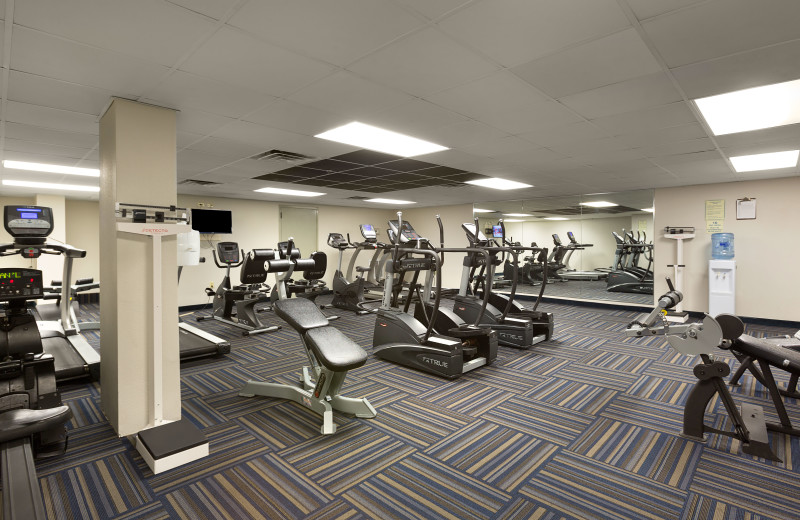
x,y
366,157
331,165
371,171
406,165
294,171
464,177
439,171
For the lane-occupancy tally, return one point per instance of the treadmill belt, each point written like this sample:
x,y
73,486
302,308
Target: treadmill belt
x,y
69,364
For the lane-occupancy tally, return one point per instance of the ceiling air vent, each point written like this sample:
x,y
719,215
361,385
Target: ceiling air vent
x,y
281,155
197,182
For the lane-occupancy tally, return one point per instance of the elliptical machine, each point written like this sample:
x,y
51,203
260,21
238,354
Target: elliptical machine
x,y
347,295
32,416
243,297
403,339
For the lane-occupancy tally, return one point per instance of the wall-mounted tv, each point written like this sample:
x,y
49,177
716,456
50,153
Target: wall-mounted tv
x,y
212,221
497,231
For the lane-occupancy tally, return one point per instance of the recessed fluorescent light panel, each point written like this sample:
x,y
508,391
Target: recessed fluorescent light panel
x,y
390,201
294,193
517,215
476,210
380,140
49,186
599,204
51,168
556,218
649,210
499,184
513,220
765,161
752,108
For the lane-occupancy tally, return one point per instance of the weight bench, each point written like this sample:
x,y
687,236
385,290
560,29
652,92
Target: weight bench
x,y
750,427
746,363
330,353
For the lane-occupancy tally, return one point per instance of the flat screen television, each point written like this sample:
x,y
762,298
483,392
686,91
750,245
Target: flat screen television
x,y
497,231
212,221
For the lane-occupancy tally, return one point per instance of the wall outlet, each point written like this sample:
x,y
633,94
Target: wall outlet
x,y
201,204
211,285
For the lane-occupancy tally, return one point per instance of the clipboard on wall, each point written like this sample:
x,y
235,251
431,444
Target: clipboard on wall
x,y
746,209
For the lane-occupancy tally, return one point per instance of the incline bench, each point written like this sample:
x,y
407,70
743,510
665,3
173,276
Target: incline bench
x,y
330,353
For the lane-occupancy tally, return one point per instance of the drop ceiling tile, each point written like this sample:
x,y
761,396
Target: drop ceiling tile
x,y
432,10
774,64
530,157
438,63
756,137
416,117
257,65
603,144
38,90
562,134
634,94
297,118
677,148
38,134
517,31
372,172
331,165
721,27
182,90
193,161
611,59
366,157
60,152
226,148
670,160
648,119
215,9
152,30
644,9
664,135
500,147
337,32
200,122
604,157
347,94
439,171
185,139
464,135
51,118
776,145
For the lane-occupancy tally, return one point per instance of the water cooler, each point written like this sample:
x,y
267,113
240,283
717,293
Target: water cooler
x,y
722,275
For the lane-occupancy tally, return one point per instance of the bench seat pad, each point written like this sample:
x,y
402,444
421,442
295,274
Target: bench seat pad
x,y
334,350
300,313
771,351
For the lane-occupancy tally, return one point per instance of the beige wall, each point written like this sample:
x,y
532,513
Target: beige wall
x,y
83,232
767,281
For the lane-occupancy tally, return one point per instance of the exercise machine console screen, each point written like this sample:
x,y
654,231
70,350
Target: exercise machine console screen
x,y
497,231
28,221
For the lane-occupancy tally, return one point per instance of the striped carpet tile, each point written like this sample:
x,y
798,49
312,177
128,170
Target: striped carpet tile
x,y
662,390
420,487
200,413
100,489
499,456
499,376
615,361
590,489
221,380
404,379
524,509
661,417
581,397
355,454
89,443
674,371
561,425
536,364
613,379
699,507
664,458
639,348
466,397
418,423
767,490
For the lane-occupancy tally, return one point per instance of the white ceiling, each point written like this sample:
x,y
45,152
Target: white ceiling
x,y
572,96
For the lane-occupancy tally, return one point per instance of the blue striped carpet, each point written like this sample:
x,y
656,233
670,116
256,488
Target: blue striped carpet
x,y
585,426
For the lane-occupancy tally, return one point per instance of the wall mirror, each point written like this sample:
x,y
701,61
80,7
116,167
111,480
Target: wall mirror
x,y
600,245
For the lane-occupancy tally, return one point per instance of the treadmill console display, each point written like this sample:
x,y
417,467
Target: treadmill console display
x,y
368,232
557,239
228,252
20,284
571,237
28,221
497,231
407,234
469,228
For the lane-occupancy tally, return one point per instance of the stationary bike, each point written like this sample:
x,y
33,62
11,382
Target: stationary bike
x,y
242,297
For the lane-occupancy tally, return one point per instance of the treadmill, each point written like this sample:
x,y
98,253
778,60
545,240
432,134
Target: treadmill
x,y
30,226
195,343
569,273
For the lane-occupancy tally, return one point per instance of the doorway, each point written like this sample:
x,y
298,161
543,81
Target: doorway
x,y
301,224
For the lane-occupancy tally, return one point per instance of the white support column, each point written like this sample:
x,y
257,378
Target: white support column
x,y
138,165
